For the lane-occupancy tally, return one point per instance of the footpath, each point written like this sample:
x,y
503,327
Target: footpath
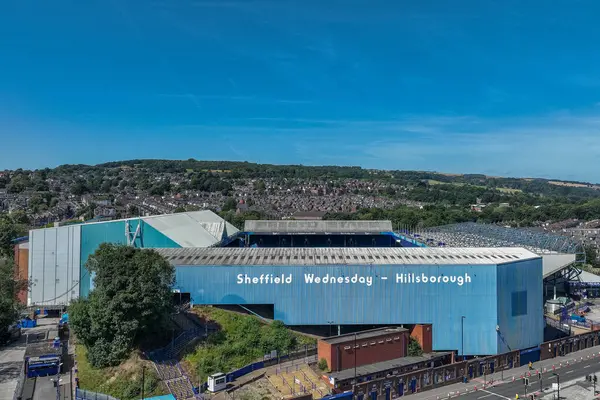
x,y
459,389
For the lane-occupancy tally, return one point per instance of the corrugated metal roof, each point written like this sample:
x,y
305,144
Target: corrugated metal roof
x,y
371,333
317,226
192,229
344,256
385,366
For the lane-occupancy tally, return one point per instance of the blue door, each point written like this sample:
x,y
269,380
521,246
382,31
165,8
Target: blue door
x,y
470,371
387,393
401,389
374,395
413,385
492,367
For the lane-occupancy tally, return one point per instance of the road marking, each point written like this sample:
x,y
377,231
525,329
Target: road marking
x,y
586,366
494,394
483,397
569,372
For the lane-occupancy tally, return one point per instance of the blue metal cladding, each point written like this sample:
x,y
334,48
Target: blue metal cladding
x,y
376,301
93,235
520,305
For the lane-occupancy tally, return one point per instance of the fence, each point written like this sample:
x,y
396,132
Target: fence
x,y
179,343
309,350
81,394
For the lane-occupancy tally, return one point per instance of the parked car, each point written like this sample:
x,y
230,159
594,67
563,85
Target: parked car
x,y
10,333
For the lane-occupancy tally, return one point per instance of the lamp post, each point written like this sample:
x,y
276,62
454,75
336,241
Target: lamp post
x,y
355,359
143,377
462,337
558,383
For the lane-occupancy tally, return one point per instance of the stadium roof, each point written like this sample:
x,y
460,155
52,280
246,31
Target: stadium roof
x,y
345,256
309,227
189,229
385,366
192,229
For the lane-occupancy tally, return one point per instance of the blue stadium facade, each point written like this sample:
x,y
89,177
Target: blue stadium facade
x,y
498,292
488,299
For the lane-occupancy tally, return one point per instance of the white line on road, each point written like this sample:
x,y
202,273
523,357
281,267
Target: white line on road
x,y
483,397
569,372
586,366
494,394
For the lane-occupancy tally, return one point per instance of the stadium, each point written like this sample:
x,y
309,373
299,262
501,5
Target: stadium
x,y
483,297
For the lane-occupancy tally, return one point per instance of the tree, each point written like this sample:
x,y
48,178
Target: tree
x,y
230,204
414,348
8,232
591,256
131,302
9,287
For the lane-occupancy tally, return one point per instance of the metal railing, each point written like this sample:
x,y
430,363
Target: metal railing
x,y
81,394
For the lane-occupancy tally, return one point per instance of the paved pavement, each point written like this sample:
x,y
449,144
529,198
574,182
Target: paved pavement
x,y
570,369
11,362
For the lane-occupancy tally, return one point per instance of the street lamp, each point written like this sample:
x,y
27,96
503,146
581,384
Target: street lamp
x,y
462,337
557,383
355,358
143,379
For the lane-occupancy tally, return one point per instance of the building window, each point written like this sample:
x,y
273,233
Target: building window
x,y
519,303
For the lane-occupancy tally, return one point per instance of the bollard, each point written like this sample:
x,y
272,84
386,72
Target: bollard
x,y
475,388
513,379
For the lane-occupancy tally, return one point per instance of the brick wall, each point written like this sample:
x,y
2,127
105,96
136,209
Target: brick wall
x,y
341,356
423,334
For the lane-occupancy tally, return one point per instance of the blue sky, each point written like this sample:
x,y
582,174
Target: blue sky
x,y
507,88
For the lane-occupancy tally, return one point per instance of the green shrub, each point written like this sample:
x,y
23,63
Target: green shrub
x,y
323,364
414,348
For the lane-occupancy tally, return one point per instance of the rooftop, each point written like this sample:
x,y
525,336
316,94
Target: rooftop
x,y
299,227
345,256
372,333
385,366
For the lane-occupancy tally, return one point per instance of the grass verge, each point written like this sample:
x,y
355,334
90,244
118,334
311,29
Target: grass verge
x,y
123,382
242,340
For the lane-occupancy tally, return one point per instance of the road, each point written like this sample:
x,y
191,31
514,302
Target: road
x,y
508,390
570,368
